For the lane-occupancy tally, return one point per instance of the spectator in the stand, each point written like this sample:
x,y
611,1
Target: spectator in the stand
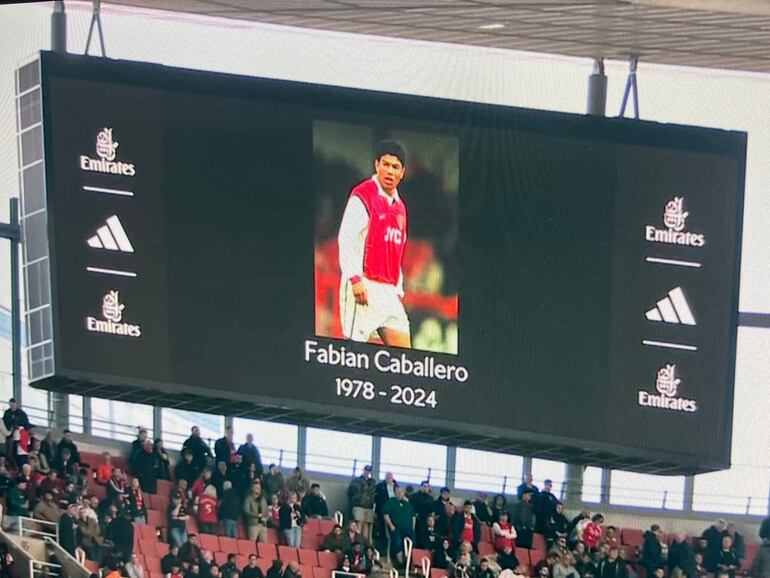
x,y
162,460
244,478
681,559
104,470
444,522
298,483
503,532
593,531
185,469
423,504
700,569
314,503
190,551
203,482
220,475
652,549
116,487
483,570
462,568
361,492
68,530
193,570
702,548
443,500
275,570
739,545
177,520
545,506
251,570
384,491
728,561
89,536
65,465
121,533
52,484
292,570
273,481
399,518
564,568
523,519
467,526
43,465
274,512
483,509
112,569
208,506
206,561
66,443
200,449
506,558
13,419
224,448
47,510
229,567
353,536
465,547
255,513
137,446
499,505
48,448
612,566
146,467
250,453
230,510
610,537
16,504
171,559
713,536
373,563
526,485
134,568
761,566
357,559
442,558
136,503
428,537
335,541
292,520
557,526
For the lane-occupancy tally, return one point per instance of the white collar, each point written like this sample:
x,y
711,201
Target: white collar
x,y
382,192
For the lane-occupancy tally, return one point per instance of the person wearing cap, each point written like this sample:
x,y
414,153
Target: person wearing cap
x,y
273,481
361,494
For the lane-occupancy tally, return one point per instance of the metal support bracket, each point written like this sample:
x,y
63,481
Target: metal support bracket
x,y
631,88
96,22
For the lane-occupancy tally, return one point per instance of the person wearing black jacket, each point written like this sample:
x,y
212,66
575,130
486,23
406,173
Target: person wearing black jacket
x,y
652,549
121,533
68,529
314,503
506,558
224,448
67,443
146,467
713,536
612,566
187,470
728,561
557,526
523,519
252,570
250,453
13,419
466,527
544,506
681,556
275,570
171,559
442,556
137,446
428,537
423,504
199,448
230,509
383,491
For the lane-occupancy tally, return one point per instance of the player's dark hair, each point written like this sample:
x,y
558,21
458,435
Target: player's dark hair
x,y
390,147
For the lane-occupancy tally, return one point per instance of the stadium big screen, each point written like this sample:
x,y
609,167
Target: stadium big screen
x,y
522,278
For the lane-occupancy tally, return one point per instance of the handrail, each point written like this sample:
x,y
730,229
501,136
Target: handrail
x,y
71,567
28,528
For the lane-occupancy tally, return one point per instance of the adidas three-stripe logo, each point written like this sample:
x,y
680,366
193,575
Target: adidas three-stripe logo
x,y
111,236
672,309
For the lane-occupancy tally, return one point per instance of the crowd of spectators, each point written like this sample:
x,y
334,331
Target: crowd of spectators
x,y
224,488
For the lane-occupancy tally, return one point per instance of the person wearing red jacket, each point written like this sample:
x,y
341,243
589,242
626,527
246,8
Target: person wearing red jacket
x,y
593,531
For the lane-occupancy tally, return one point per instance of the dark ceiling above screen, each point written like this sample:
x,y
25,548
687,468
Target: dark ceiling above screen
x,y
568,285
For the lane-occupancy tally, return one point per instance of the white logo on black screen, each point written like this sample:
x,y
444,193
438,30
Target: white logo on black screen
x,y
112,322
673,308
674,219
667,385
106,150
112,237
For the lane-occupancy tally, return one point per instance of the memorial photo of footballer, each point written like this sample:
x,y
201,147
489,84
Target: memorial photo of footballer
x,y
385,236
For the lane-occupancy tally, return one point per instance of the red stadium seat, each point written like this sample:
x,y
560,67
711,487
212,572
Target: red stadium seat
x,y
307,557
305,570
220,557
418,555
152,564
328,560
313,526
247,547
229,545
535,556
209,542
310,541
267,551
155,519
326,526
165,487
192,525
486,534
241,561
538,542
272,536
438,573
157,575
632,537
287,554
159,502
146,532
93,567
98,491
148,547
321,572
628,553
486,549
264,564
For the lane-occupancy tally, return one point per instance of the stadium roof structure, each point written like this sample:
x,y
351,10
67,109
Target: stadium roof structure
x,y
725,34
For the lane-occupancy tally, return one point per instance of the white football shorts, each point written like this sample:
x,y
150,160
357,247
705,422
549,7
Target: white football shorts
x,y
361,322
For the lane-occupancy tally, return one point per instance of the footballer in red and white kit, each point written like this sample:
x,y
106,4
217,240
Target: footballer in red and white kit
x,y
372,240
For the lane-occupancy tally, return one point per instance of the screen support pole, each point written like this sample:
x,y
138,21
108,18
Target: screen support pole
x,y
631,88
59,28
597,89
12,232
96,22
